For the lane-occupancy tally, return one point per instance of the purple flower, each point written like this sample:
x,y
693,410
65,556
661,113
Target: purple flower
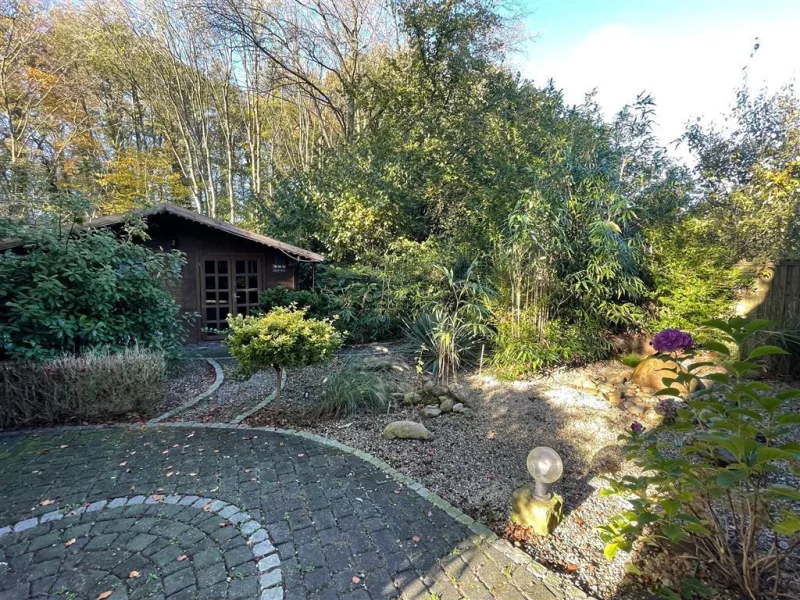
x,y
672,340
637,427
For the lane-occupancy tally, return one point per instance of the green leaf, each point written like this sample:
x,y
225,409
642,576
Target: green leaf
x,y
769,404
610,551
717,347
789,418
766,454
718,378
668,392
765,351
789,525
783,491
730,477
719,324
788,394
673,532
757,325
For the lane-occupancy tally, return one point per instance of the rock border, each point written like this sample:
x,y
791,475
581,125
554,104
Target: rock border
x,y
483,533
270,575
219,378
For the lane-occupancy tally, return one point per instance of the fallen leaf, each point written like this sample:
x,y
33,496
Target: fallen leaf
x,y
300,455
47,502
571,567
169,474
192,474
70,542
133,574
397,491
416,539
62,446
356,579
207,507
224,524
491,435
182,557
165,452
247,470
122,464
104,595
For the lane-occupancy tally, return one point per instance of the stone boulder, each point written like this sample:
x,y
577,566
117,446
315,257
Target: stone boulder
x,y
406,430
432,411
650,373
447,405
410,398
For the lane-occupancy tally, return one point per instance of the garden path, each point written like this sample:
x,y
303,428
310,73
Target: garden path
x,y
221,513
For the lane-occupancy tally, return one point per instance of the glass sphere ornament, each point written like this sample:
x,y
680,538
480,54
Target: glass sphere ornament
x,y
546,467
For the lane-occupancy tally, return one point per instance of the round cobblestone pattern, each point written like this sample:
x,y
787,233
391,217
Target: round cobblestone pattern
x,y
183,509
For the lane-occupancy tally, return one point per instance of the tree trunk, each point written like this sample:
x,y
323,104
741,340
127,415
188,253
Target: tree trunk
x,y
278,375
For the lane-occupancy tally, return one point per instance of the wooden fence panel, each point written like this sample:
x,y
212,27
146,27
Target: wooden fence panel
x,y
776,293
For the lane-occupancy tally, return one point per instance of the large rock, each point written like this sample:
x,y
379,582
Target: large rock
x,y
432,411
650,373
406,430
447,405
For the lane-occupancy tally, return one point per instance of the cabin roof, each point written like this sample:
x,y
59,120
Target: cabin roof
x,y
190,215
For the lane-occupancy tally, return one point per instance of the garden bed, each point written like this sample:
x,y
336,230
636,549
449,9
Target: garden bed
x,y
477,458
186,380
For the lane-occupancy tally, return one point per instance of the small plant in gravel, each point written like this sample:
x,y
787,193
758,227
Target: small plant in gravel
x,y
349,391
712,482
281,339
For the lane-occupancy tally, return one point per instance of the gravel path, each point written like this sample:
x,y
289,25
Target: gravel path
x,y
186,380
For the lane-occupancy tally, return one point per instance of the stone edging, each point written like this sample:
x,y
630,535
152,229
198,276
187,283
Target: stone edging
x,y
270,578
219,377
570,591
270,397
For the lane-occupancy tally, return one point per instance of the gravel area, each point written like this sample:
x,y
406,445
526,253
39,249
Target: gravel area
x,y
185,381
477,458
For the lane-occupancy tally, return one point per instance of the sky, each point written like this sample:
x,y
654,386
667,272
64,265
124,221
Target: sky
x,y
689,55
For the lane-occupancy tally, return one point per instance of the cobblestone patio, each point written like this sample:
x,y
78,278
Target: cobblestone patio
x,y
219,513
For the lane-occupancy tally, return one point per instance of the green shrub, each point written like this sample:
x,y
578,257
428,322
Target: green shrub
x,y
520,348
283,338
631,360
90,290
693,276
283,296
96,387
445,343
716,493
349,391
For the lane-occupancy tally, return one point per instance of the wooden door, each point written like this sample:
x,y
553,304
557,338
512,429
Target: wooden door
x,y
216,294
230,285
246,284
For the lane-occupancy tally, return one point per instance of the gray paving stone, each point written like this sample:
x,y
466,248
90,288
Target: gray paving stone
x,y
270,579
26,524
297,532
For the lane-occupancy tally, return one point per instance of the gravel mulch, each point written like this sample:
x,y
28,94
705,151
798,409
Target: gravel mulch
x,y
477,458
185,381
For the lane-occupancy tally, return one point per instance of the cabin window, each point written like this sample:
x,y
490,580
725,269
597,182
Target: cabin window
x,y
279,263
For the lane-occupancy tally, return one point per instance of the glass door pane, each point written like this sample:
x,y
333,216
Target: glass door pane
x,y
215,294
247,285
